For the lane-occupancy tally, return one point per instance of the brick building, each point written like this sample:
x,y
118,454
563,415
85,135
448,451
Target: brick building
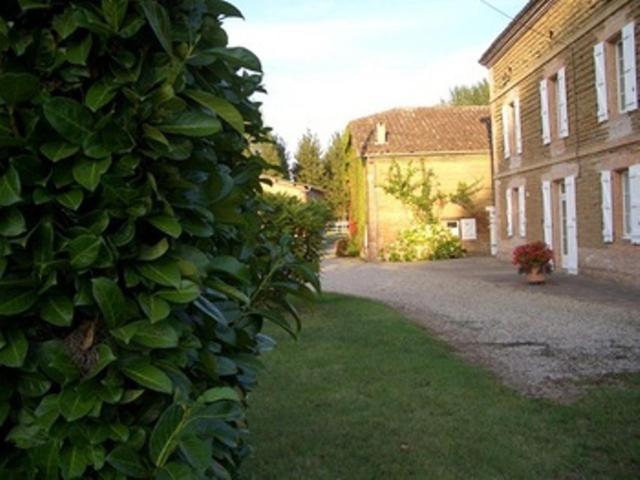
x,y
453,142
566,133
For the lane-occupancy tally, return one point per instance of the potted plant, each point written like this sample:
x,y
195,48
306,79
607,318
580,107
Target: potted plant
x,y
534,260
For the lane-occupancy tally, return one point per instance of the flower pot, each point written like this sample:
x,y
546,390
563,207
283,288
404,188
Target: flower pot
x,y
535,276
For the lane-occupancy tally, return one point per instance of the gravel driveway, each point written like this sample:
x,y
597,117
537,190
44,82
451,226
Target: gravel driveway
x,y
546,341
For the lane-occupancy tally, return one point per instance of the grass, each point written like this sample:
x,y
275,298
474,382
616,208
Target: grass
x,y
365,394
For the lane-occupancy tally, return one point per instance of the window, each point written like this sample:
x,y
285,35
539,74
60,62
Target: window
x,y
615,73
511,128
625,203
453,226
553,103
620,76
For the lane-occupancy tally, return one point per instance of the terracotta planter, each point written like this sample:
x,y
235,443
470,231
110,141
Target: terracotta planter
x,y
535,276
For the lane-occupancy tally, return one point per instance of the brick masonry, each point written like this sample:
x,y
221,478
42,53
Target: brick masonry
x,y
563,33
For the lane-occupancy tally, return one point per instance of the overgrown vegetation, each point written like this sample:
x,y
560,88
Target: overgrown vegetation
x,y
381,399
418,189
300,223
137,266
423,242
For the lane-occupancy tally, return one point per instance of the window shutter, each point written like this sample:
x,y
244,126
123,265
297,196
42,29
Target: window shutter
x,y
517,126
607,208
629,67
563,112
572,225
522,212
634,192
544,112
505,131
509,212
547,215
601,82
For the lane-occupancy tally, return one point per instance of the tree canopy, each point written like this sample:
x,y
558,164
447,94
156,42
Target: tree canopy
x,y
309,166
475,94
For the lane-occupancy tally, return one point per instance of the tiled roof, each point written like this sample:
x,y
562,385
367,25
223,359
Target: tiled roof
x,y
423,129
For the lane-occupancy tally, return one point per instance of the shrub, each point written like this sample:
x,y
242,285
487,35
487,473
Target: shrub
x,y
135,278
431,242
303,222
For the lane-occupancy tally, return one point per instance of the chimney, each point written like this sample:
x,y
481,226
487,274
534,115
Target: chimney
x,y
381,133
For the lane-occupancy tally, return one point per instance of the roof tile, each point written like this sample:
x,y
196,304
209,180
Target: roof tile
x,y
423,129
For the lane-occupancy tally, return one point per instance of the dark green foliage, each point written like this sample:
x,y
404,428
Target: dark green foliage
x,y
336,184
476,94
273,150
309,167
303,223
134,275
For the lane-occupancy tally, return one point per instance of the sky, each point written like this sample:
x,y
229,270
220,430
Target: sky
x,y
327,62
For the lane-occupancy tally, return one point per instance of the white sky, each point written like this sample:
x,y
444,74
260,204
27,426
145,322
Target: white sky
x,y
327,62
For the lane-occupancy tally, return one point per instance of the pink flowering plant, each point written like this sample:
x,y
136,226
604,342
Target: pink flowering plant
x,y
531,256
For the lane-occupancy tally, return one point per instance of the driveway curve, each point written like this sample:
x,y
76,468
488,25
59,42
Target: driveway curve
x,y
546,341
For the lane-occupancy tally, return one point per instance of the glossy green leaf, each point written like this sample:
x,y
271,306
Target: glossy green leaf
x,y
110,299
163,272
14,301
128,462
223,108
114,12
69,118
65,23
71,199
56,151
78,53
89,172
12,222
74,461
76,402
18,87
57,310
166,434
231,266
192,124
84,251
219,393
14,353
165,223
187,292
154,307
145,374
157,335
153,252
10,187
100,94
159,21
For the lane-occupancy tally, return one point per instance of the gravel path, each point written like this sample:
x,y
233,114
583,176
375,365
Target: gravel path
x,y
546,341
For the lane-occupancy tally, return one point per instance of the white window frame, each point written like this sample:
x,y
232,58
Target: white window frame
x,y
620,75
625,202
455,231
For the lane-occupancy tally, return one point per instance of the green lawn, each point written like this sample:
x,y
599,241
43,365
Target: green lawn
x,y
365,394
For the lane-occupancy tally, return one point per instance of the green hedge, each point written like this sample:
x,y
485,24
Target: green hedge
x,y
135,275
302,225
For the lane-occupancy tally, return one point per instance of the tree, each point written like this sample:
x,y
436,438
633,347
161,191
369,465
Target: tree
x,y
336,184
135,271
309,166
274,151
476,94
